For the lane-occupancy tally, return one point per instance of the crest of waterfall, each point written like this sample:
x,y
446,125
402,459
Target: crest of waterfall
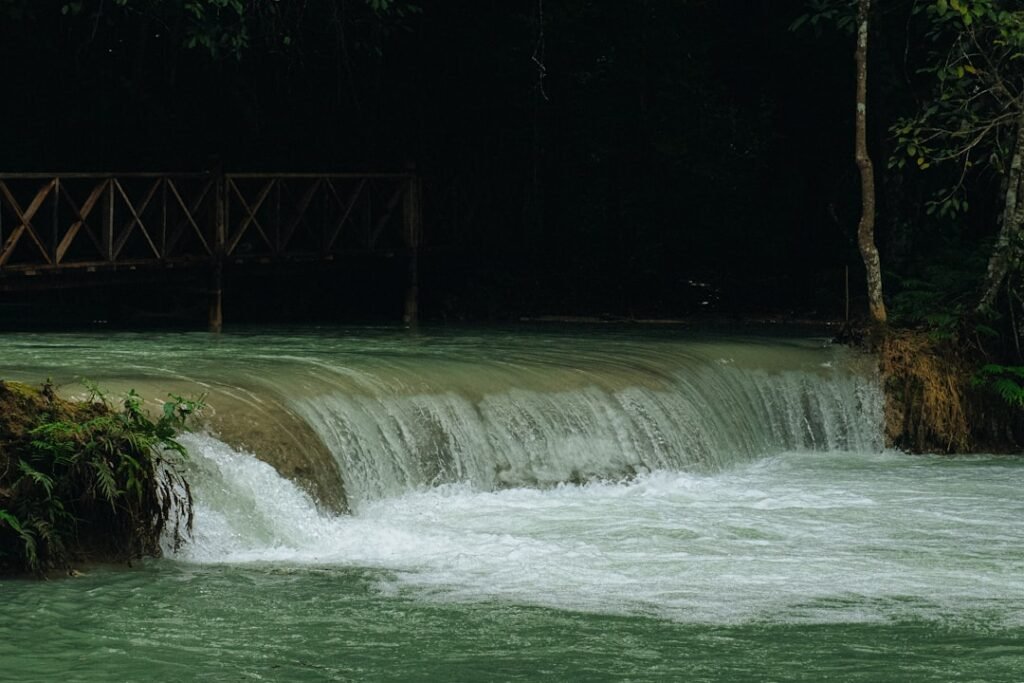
x,y
701,417
383,412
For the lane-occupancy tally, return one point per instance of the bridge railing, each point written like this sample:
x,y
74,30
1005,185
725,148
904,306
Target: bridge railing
x,y
301,215
89,221
52,221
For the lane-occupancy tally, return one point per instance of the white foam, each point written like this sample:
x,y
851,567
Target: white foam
x,y
797,537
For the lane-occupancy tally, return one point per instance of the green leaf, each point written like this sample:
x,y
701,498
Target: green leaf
x,y
11,521
106,480
1009,391
36,476
996,369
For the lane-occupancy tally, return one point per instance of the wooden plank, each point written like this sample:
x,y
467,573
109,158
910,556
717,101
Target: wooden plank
x,y
108,223
55,221
221,213
310,176
130,264
107,175
99,175
18,270
279,242
163,218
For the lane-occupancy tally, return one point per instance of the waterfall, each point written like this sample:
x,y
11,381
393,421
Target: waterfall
x,y
379,413
695,412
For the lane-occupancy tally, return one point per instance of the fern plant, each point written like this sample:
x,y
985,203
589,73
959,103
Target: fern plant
x,y
93,480
1005,380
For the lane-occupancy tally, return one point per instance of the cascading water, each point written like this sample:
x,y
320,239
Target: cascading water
x,y
577,505
394,413
700,417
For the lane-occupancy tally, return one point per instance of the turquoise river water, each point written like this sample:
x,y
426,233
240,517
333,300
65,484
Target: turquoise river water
x,y
582,505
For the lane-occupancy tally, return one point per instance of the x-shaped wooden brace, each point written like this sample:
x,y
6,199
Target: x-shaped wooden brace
x,y
25,221
136,219
250,219
346,207
81,216
300,212
389,209
189,219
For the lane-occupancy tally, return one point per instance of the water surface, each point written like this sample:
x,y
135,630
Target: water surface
x,y
543,505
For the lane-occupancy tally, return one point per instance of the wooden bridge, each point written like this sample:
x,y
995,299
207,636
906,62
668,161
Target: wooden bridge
x,y
89,222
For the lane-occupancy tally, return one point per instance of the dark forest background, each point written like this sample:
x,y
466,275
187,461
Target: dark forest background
x,y
636,158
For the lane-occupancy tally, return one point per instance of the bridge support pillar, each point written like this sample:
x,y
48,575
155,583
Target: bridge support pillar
x,y
411,312
412,230
220,217
216,313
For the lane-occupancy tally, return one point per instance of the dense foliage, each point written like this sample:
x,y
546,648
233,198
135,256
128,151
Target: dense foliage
x,y
88,481
955,185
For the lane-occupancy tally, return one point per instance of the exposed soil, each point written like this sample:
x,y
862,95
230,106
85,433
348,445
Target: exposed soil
x,y
934,404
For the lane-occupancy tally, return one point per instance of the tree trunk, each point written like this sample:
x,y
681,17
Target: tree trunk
x,y
866,227
1007,243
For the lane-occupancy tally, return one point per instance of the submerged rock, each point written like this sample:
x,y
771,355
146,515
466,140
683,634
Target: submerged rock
x,y
282,440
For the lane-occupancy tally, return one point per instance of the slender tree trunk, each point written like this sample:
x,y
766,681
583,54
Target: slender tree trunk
x,y
866,227
1007,242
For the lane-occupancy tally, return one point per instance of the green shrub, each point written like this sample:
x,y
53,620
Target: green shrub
x,y
89,480
1005,380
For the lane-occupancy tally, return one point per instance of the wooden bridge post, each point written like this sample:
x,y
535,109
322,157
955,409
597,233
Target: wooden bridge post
x,y
216,324
55,224
412,228
108,222
216,312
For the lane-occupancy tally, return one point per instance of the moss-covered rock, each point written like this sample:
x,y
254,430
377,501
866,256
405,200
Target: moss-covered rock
x,y
86,481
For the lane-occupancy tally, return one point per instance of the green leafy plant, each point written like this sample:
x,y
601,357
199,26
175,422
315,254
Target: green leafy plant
x,y
938,290
91,480
1005,380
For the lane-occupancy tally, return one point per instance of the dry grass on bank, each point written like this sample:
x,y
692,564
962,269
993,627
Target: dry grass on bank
x,y
929,394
